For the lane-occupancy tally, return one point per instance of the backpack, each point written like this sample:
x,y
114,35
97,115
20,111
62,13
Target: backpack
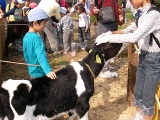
x,y
109,11
152,36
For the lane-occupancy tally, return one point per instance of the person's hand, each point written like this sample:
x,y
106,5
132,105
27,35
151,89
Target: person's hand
x,y
103,38
52,75
95,10
86,30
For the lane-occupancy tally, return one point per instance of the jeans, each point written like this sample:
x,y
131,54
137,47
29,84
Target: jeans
x,y
148,76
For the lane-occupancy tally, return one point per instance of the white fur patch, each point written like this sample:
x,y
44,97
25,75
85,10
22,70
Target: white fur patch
x,y
11,85
85,117
80,87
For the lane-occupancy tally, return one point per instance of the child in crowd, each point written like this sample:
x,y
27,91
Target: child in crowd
x,y
8,7
16,11
33,46
148,70
26,9
83,26
32,5
66,26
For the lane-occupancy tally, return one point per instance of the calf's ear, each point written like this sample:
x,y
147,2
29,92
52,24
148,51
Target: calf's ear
x,y
20,98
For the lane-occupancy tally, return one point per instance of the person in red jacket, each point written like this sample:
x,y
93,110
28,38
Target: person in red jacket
x,y
102,27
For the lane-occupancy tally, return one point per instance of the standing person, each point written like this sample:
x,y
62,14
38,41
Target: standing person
x,y
33,46
26,8
16,11
66,26
8,7
63,3
83,26
52,8
124,8
148,70
98,9
87,7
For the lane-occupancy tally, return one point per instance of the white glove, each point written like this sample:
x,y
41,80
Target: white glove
x,y
103,38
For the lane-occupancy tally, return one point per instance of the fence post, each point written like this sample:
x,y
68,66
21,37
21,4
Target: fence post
x,y
2,40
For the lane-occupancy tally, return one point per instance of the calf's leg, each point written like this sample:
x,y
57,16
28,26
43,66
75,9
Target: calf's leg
x,y
83,106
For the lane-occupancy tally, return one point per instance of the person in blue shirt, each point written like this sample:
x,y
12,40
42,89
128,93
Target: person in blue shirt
x,y
33,46
3,5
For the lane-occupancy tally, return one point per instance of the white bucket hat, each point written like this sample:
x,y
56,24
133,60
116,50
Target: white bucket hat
x,y
63,10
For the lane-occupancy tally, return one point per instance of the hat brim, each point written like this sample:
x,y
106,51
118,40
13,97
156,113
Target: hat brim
x,y
47,18
42,19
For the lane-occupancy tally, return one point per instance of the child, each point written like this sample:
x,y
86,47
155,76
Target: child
x,y
66,26
83,26
16,11
26,9
32,5
8,7
33,46
148,71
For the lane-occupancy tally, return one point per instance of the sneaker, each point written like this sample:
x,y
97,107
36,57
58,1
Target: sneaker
x,y
73,53
82,48
139,116
65,52
57,52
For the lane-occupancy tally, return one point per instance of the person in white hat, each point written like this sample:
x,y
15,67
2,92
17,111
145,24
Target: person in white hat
x,y
33,46
66,26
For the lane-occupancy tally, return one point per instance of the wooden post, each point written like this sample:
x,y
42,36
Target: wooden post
x,y
132,68
2,40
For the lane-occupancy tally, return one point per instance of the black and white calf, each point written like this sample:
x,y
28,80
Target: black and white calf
x,y
46,99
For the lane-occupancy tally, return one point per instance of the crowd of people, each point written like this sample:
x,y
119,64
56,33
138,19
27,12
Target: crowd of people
x,y
40,22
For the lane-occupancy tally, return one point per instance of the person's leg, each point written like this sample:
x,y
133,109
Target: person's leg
x,y
84,34
152,72
80,37
51,35
66,41
148,75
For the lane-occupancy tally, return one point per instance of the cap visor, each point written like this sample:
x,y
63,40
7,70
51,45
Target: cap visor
x,y
48,18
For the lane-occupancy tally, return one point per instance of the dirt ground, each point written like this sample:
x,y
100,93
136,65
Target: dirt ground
x,y
109,100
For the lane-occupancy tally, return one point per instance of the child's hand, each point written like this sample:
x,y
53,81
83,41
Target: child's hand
x,y
86,29
52,75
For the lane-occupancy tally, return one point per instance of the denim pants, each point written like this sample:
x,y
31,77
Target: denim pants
x,y
148,76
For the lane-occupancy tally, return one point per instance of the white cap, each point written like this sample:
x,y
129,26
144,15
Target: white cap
x,y
63,10
19,1
37,14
